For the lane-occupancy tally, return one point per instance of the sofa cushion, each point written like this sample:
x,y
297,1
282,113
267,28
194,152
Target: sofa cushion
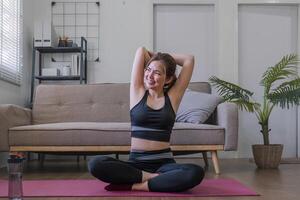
x,y
81,103
197,134
196,107
98,133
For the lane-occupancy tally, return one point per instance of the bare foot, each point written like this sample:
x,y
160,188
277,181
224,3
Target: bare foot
x,y
140,186
147,176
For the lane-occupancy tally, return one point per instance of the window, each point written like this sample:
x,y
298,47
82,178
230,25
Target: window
x,y
11,41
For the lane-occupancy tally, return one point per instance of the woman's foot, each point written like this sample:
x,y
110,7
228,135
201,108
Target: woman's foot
x,y
118,187
144,185
141,186
147,176
125,187
137,186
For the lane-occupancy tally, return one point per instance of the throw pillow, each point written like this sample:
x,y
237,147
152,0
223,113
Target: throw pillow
x,y
196,107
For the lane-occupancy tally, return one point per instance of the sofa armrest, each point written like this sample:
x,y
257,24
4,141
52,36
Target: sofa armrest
x,y
11,116
227,117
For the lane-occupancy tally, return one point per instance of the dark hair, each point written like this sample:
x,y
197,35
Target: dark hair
x,y
170,66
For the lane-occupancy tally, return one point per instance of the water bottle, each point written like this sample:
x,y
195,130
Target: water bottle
x,y
15,168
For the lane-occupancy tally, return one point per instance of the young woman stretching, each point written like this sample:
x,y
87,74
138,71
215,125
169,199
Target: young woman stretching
x,y
155,94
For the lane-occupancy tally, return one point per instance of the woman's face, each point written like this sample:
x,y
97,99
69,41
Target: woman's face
x,y
155,75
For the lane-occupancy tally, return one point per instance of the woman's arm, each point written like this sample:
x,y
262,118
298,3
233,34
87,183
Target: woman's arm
x,y
137,75
182,82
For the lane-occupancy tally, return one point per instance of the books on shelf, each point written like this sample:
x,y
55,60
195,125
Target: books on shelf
x,y
44,34
75,65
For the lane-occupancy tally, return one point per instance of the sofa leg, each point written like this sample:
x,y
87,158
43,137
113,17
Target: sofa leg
x,y
204,154
215,160
28,156
41,159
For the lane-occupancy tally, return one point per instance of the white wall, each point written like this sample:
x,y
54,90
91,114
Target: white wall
x,y
190,29
12,94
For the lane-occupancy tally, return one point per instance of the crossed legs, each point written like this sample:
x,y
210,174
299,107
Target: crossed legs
x,y
170,177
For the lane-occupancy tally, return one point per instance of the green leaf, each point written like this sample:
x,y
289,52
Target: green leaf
x,y
284,68
286,94
247,105
230,91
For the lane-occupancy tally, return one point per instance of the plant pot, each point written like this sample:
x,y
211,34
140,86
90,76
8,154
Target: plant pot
x,y
267,156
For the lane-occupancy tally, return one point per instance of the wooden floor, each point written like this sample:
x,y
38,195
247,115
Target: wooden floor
x,y
282,183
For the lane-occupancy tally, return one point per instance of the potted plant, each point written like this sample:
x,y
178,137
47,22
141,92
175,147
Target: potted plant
x,y
281,87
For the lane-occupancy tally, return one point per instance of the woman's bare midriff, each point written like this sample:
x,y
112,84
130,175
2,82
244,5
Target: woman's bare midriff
x,y
148,145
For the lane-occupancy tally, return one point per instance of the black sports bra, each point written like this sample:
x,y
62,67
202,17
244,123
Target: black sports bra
x,y
151,124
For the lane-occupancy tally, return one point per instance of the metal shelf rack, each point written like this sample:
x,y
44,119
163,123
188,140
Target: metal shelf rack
x,y
82,77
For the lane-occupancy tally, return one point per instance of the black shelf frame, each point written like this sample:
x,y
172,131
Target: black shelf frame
x,y
82,77
59,49
57,78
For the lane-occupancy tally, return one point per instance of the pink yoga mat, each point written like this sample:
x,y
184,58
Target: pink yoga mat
x,y
95,188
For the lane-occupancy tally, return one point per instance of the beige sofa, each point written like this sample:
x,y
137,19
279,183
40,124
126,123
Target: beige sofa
x,y
95,118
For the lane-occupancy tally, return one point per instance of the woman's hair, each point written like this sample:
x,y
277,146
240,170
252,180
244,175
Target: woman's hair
x,y
170,66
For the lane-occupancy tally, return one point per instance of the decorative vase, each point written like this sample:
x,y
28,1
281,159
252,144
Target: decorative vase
x,y
267,156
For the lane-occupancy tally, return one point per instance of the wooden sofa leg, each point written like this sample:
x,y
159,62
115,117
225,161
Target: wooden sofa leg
x,y
204,154
215,160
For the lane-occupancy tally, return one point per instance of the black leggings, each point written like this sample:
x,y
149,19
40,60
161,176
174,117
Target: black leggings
x,y
173,177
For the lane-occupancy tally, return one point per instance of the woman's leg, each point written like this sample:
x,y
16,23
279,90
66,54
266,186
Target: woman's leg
x,y
114,171
175,177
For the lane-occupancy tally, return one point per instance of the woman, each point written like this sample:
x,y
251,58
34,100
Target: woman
x,y
155,94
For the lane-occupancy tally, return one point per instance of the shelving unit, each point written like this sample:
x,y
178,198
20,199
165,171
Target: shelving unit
x,y
82,77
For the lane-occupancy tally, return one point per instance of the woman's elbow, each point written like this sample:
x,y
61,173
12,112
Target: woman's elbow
x,y
191,58
139,49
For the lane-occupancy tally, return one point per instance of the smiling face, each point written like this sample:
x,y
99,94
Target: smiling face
x,y
155,75
160,72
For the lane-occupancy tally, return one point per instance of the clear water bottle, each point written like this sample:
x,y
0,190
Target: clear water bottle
x,y
15,169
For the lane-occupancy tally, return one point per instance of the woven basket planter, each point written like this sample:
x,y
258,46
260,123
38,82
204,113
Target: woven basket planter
x,y
267,156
